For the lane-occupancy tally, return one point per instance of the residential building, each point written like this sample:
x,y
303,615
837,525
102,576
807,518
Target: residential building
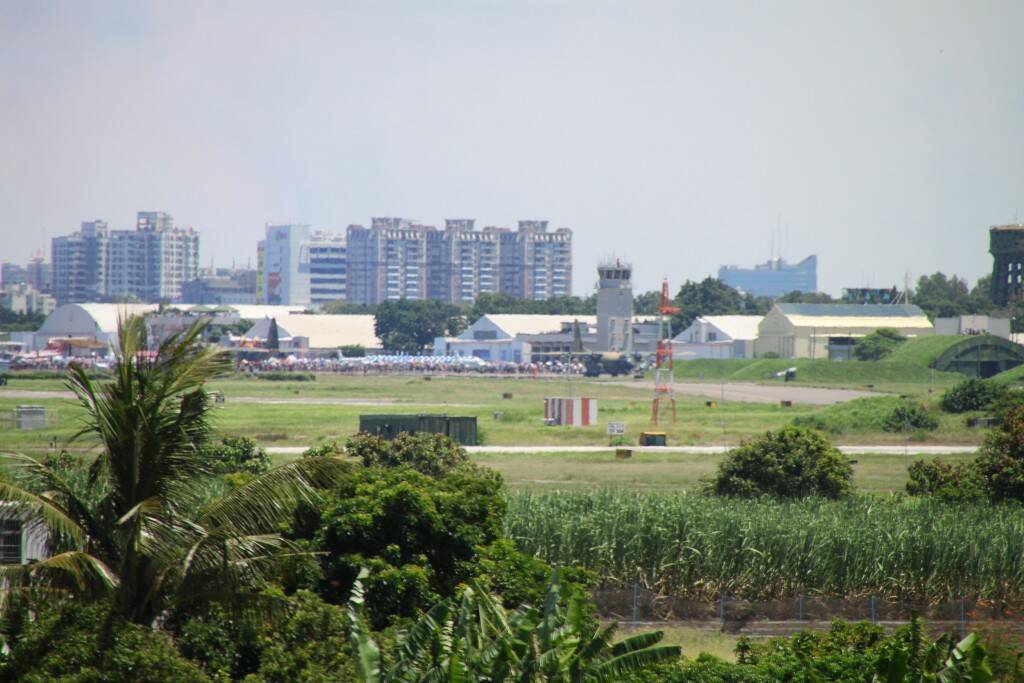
x,y
773,278
39,274
80,264
150,263
25,299
395,258
12,274
297,265
717,336
830,330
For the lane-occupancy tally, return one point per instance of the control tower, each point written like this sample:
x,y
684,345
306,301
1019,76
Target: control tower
x,y
1006,244
614,307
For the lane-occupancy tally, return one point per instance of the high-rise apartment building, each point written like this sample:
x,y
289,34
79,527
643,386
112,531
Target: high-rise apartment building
x,y
773,278
396,259
39,274
150,263
80,264
296,265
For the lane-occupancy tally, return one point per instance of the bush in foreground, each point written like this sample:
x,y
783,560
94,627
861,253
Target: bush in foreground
x,y
792,462
909,417
971,394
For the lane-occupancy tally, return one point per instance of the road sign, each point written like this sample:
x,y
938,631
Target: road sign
x,y
616,428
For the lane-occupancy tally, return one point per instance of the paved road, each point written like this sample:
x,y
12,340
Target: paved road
x,y
761,393
910,449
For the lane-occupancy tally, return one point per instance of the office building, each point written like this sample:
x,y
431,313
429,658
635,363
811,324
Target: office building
x,y
296,265
774,278
395,258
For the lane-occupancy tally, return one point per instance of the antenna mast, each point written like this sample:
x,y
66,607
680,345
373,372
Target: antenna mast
x,y
664,391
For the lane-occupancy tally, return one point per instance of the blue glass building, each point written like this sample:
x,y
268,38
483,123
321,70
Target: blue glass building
x,y
773,278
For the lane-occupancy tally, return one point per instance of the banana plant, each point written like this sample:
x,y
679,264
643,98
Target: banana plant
x,y
473,639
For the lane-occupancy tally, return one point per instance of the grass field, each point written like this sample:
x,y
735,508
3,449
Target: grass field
x,y
880,474
307,413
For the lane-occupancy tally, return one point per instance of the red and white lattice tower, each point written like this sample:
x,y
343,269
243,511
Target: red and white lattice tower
x,y
664,390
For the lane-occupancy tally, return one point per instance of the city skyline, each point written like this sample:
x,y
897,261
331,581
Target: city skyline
x,y
700,127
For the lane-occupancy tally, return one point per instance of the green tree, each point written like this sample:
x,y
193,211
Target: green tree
x,y
647,303
940,296
878,344
146,531
711,296
408,326
792,462
473,638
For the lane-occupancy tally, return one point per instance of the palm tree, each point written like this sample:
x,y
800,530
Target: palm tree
x,y
474,639
142,529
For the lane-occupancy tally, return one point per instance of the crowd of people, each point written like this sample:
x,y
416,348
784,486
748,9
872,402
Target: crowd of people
x,y
397,364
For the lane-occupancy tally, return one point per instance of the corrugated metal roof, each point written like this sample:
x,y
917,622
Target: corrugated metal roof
x,y
323,331
852,310
736,326
517,323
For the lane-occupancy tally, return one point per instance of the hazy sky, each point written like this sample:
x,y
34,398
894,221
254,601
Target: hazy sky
x,y
886,137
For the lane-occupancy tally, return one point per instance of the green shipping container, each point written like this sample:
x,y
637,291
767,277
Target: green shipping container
x,y
461,430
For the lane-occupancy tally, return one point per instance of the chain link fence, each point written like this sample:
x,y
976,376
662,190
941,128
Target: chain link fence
x,y
734,615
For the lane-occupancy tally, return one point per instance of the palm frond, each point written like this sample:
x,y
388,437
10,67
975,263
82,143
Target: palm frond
x,y
74,570
269,499
41,509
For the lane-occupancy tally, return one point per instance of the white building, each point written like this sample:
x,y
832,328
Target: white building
x,y
717,336
973,324
505,337
301,266
310,332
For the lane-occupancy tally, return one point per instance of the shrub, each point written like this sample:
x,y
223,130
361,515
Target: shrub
x,y
792,462
432,454
769,354
971,394
353,351
285,376
326,450
878,344
237,454
64,642
1000,461
952,482
908,418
